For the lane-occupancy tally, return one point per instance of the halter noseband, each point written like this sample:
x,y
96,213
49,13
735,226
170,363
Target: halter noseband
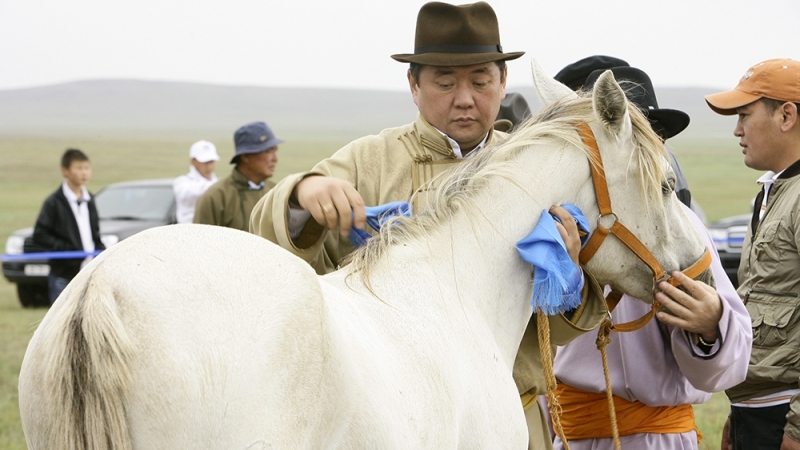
x,y
623,234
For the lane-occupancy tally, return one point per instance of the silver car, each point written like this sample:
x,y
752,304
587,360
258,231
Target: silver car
x,y
123,208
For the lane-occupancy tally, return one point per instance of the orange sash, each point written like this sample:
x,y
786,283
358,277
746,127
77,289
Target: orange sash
x,y
585,416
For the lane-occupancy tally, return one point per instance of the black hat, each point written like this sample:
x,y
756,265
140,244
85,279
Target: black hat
x,y
665,122
254,137
450,35
513,110
575,74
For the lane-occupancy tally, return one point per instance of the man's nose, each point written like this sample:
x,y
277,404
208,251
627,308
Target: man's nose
x,y
463,96
738,131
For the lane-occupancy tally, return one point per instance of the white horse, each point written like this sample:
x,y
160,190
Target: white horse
x,y
203,337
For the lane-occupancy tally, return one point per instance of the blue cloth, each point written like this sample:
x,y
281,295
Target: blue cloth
x,y
376,217
69,254
557,281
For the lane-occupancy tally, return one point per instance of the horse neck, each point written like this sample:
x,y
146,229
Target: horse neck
x,y
473,260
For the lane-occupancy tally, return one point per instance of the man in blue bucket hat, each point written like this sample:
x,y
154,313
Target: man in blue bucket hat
x,y
228,203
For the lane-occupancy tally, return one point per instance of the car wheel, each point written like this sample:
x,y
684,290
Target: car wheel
x,y
32,295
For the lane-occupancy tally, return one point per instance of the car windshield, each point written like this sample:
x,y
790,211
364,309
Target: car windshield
x,y
134,202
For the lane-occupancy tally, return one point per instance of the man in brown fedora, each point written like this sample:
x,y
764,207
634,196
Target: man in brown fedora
x,y
457,77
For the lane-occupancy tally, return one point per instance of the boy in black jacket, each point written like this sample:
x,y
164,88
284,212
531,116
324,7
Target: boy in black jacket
x,y
68,221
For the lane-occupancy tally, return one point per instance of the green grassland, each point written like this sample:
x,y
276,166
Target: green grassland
x,y
29,172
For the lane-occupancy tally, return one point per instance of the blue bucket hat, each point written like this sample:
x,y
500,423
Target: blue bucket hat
x,y
255,137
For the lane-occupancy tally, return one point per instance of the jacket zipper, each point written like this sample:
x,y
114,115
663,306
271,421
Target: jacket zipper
x,y
765,291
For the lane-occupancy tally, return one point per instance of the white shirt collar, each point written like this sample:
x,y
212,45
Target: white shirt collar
x,y
255,186
768,179
71,197
457,148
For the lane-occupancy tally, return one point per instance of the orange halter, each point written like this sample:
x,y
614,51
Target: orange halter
x,y
587,252
625,236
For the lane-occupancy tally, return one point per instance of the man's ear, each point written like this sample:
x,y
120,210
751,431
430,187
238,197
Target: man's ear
x,y
789,116
413,85
504,77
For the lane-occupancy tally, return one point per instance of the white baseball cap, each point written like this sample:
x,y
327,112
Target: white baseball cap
x,y
203,151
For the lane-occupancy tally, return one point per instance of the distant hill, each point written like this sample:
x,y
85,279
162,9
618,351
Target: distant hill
x,y
105,108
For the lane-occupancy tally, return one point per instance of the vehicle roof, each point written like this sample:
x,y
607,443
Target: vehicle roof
x,y
151,182
742,219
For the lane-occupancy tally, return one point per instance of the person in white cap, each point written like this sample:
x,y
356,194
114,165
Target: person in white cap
x,y
229,202
188,188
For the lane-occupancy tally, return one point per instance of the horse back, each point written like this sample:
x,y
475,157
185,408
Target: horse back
x,y
184,336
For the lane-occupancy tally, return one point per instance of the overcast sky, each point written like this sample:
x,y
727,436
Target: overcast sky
x,y
347,43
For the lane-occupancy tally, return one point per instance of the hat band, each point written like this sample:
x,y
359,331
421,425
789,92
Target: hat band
x,y
459,49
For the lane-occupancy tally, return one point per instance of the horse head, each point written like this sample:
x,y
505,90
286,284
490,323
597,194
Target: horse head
x,y
651,234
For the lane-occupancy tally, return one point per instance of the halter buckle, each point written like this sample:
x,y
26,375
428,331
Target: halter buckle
x,y
612,214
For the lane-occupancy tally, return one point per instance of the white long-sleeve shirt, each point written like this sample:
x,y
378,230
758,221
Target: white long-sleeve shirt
x,y
188,188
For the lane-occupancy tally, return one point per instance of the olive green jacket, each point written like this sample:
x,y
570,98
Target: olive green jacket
x,y
390,167
228,202
769,276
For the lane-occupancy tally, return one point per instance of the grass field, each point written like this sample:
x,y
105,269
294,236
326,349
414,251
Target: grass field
x,y
29,172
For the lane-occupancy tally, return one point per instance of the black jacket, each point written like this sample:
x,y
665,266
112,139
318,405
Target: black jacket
x,y
57,230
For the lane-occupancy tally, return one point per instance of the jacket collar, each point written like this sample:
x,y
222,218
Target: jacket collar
x,y
791,171
240,181
436,141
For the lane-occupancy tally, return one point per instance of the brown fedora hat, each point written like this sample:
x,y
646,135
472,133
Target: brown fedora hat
x,y
450,35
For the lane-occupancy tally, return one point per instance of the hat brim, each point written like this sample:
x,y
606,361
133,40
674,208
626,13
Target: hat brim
x,y
725,103
667,122
204,159
455,59
249,150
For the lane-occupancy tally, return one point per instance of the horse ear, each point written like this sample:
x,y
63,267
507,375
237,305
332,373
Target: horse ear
x,y
548,88
610,104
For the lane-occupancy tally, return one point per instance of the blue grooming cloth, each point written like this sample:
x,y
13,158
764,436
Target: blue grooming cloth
x,y
376,217
557,281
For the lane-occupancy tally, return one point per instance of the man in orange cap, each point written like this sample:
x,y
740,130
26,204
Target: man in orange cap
x,y
457,77
765,408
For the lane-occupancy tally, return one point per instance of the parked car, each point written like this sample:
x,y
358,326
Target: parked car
x,y
123,208
728,235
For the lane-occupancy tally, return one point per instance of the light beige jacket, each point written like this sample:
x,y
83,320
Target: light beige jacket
x,y
769,276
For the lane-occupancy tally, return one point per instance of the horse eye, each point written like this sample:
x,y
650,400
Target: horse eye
x,y
668,186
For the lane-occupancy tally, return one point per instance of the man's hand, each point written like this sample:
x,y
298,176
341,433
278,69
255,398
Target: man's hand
x,y
568,229
697,312
789,443
332,202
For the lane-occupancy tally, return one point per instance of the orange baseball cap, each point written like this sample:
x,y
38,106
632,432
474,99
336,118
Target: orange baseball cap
x,y
777,79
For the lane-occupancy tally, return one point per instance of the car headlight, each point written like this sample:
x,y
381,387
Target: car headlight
x,y
720,237
14,245
109,239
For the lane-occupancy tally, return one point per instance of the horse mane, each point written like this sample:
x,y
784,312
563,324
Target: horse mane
x,y
460,186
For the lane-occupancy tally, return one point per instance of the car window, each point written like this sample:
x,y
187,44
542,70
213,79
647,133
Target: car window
x,y
134,202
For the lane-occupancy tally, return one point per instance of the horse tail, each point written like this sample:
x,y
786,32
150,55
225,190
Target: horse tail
x,y
88,370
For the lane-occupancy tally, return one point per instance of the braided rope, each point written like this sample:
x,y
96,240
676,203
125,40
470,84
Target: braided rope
x,y
603,339
543,332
